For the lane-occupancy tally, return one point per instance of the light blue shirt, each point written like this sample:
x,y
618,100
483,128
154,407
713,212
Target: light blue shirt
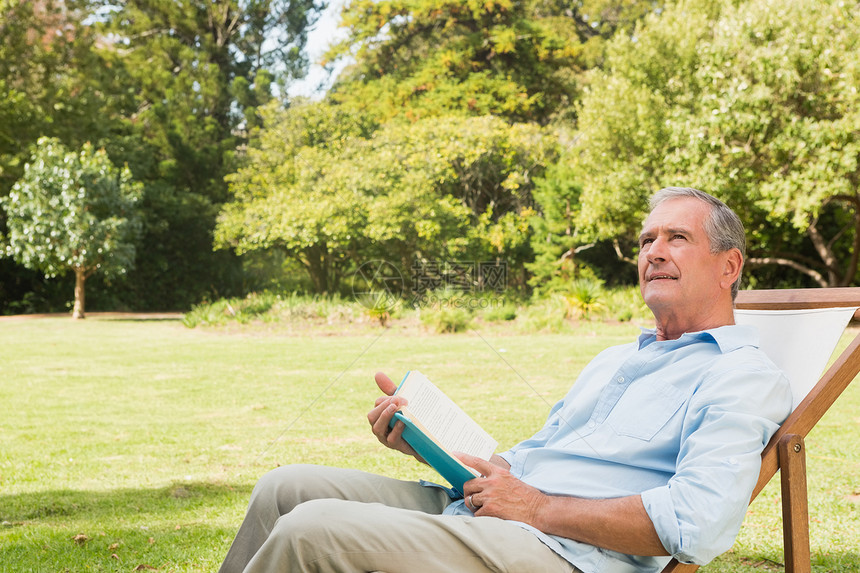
x,y
680,422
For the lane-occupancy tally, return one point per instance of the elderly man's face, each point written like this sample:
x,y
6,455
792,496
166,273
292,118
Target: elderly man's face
x,y
678,274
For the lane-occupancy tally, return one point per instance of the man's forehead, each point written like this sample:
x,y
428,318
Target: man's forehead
x,y
681,214
670,228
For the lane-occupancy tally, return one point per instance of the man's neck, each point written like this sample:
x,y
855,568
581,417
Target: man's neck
x,y
673,327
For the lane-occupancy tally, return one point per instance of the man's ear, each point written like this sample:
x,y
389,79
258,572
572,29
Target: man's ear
x,y
732,266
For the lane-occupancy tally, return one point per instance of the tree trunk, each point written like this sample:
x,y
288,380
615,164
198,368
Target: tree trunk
x,y
80,297
316,263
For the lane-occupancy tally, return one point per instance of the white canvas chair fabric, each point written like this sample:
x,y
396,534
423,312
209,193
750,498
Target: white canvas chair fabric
x,y
800,342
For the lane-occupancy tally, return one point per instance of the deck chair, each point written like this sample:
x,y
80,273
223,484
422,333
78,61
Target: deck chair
x,y
822,314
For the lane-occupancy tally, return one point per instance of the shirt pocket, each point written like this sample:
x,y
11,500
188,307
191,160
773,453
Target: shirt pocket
x,y
645,408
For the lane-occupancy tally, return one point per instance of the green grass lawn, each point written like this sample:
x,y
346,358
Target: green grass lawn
x,y
128,443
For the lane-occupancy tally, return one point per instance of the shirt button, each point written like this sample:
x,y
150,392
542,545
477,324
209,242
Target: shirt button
x,y
621,379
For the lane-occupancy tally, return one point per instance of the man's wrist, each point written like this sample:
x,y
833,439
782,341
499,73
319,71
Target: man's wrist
x,y
541,512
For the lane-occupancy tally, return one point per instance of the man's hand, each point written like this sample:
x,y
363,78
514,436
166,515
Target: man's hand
x,y
381,414
620,524
499,494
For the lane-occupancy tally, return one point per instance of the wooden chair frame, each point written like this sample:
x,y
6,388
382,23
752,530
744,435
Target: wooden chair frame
x,y
786,450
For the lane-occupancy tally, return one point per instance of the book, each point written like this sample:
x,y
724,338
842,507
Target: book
x,y
435,427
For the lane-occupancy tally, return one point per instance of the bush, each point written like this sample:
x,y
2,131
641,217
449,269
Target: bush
x,y
440,311
626,304
226,310
446,319
500,313
545,314
584,298
269,307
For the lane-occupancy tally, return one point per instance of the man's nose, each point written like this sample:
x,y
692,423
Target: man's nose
x,y
658,249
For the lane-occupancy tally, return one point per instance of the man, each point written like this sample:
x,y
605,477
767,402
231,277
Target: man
x,y
653,452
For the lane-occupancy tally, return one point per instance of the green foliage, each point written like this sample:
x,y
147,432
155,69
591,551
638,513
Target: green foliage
x,y
625,304
72,212
379,307
272,308
220,312
521,60
318,185
584,298
554,235
49,80
168,88
445,318
546,314
500,312
423,58
755,102
193,75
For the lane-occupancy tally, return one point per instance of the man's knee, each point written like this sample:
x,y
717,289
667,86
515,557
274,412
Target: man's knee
x,y
296,478
315,525
281,489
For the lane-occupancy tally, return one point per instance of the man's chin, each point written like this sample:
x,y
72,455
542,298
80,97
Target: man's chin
x,y
656,296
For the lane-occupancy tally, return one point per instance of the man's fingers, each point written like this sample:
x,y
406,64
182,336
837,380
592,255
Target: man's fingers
x,y
396,433
380,417
385,384
483,466
383,411
384,401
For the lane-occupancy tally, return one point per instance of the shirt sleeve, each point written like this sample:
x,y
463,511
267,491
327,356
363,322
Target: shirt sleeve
x,y
730,419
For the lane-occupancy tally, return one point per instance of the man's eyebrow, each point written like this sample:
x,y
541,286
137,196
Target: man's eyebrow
x,y
679,230
651,233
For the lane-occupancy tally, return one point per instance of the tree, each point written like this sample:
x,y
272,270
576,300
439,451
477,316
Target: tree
x,y
53,82
756,102
553,240
191,76
517,59
331,189
49,80
72,211
281,199
198,70
168,88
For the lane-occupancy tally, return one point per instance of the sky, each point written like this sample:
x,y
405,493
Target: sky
x,y
324,32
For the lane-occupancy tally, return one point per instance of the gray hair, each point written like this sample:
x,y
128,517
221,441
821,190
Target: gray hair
x,y
722,225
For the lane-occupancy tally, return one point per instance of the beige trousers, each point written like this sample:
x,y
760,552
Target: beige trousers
x,y
321,519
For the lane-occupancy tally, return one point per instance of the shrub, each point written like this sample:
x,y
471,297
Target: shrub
x,y
446,319
584,298
269,307
626,304
500,313
545,315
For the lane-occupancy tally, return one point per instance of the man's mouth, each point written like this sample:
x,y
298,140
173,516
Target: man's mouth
x,y
656,277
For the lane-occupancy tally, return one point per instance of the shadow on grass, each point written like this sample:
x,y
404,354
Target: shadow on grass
x,y
26,507
182,527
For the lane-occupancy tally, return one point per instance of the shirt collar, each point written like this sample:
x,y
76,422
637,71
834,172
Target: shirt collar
x,y
727,338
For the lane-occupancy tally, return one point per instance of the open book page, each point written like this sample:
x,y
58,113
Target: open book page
x,y
449,425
